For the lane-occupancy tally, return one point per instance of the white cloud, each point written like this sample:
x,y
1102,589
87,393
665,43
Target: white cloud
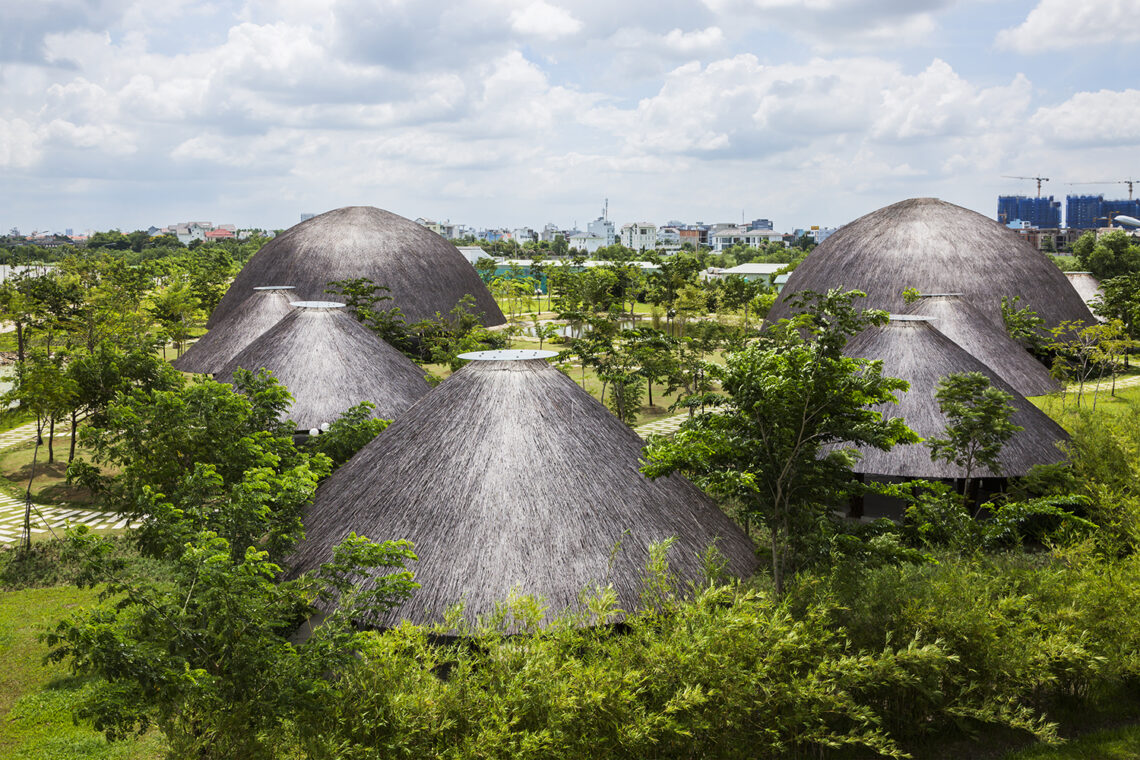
x,y
19,143
1104,118
1063,24
829,25
541,19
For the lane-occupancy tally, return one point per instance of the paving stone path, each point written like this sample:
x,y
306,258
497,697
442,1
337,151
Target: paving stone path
x,y
46,518
663,426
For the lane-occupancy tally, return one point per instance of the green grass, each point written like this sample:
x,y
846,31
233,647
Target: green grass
x,y
1064,409
1111,744
37,699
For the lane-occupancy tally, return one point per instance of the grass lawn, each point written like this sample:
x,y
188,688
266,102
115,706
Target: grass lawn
x,y
49,486
36,700
1064,409
1110,744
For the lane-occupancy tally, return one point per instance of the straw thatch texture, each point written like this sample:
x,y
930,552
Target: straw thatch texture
x,y
425,273
262,308
1087,286
936,247
989,343
914,350
330,362
509,476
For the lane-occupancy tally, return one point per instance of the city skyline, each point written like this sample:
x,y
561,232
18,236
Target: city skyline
x,y
521,112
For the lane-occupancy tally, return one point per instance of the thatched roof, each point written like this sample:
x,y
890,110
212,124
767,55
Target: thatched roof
x,y
330,362
936,247
262,308
913,349
425,273
1087,286
988,342
509,476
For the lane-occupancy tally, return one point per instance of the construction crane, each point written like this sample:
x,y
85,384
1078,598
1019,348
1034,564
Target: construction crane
x,y
1039,181
1109,182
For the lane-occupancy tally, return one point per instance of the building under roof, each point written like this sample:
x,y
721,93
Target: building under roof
x,y
959,321
330,363
425,273
509,477
259,311
911,348
936,247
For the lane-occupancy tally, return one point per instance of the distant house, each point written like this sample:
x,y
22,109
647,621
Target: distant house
x,y
730,236
588,242
218,234
640,236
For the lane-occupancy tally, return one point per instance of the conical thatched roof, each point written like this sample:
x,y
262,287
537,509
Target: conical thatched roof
x,y
425,273
936,247
989,343
330,362
1087,286
510,476
911,348
259,311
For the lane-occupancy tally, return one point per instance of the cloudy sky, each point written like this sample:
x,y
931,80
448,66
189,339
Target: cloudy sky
x,y
127,113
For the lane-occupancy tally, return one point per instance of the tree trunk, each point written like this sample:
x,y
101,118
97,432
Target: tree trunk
x,y
650,383
74,425
20,341
51,441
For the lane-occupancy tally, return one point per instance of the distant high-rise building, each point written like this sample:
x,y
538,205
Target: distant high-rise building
x,y
1111,209
1087,212
307,217
1039,212
760,224
1082,211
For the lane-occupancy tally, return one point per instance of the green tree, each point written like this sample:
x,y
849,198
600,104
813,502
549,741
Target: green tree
x,y
370,303
978,425
486,266
1111,255
1120,299
791,404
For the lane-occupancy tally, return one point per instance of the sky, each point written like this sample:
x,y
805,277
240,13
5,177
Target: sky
x,y
506,113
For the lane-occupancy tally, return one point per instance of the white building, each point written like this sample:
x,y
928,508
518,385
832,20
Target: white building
x,y
730,236
641,236
603,228
588,242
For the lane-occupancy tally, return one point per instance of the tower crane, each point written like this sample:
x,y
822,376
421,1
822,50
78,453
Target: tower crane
x,y
1110,182
1039,181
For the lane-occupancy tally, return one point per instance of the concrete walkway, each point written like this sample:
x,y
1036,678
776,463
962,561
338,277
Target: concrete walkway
x,y
46,518
664,426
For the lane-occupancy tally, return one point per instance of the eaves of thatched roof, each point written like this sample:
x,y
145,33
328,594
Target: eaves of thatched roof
x,y
509,477
425,273
330,362
959,321
262,308
912,348
1087,286
936,247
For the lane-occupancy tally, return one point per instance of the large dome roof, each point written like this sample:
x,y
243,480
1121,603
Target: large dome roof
x,y
936,247
509,476
425,273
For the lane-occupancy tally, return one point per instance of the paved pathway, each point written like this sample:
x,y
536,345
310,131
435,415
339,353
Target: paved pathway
x,y
663,426
46,518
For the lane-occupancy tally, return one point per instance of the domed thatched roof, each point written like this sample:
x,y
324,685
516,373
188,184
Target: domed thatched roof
x,y
259,311
936,247
1087,286
330,362
425,273
989,343
912,349
509,476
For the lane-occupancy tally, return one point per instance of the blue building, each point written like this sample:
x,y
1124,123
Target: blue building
x,y
1087,212
1082,211
1039,212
